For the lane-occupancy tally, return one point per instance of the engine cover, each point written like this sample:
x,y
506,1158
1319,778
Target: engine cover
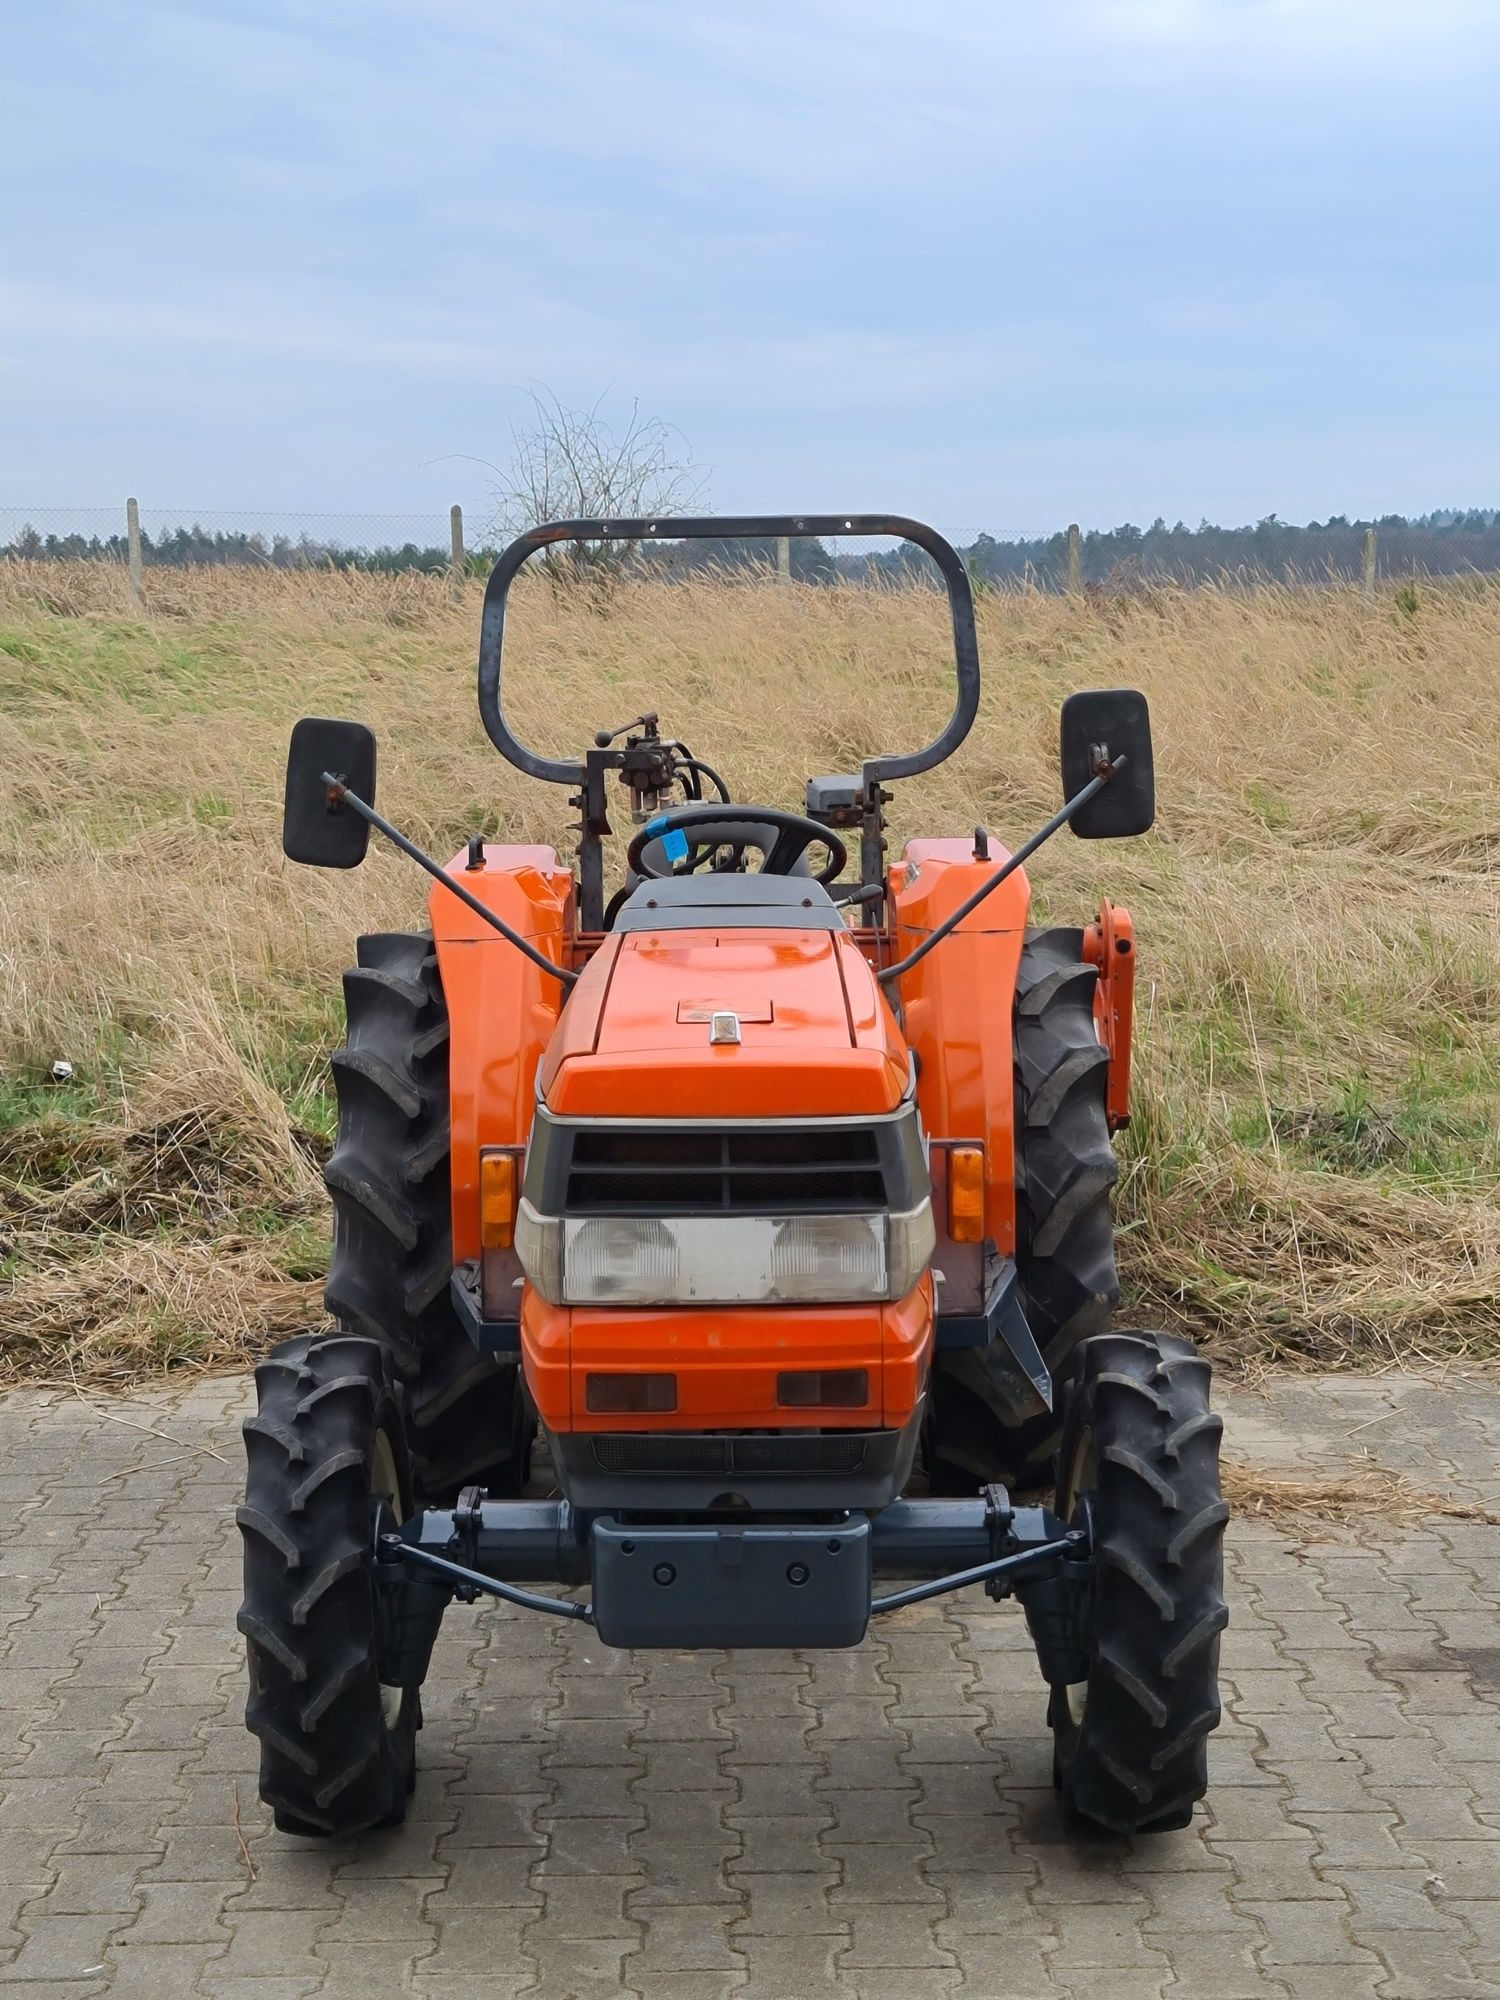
x,y
638,1038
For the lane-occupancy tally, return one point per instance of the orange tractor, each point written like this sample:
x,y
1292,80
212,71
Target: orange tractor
x,y
750,1188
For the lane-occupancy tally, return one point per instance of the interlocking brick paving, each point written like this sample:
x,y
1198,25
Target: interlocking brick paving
x,y
874,1825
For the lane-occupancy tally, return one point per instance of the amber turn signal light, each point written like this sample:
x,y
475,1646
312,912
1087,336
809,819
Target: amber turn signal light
x,y
966,1194
497,1200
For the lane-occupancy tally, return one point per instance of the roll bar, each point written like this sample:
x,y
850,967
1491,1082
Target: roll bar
x,y
758,527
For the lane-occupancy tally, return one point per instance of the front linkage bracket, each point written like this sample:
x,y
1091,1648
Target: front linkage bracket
x,y
1044,1559
469,1585
1025,1551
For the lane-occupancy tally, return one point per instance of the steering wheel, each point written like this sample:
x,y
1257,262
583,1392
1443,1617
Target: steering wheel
x,y
782,838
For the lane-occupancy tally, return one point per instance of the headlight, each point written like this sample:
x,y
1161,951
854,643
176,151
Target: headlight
x,y
614,1259
539,1249
911,1241
723,1260
815,1257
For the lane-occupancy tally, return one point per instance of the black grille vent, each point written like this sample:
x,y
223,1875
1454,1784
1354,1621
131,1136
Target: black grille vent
x,y
665,1451
773,1169
772,1166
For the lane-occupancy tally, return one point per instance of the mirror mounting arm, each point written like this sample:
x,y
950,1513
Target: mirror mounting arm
x,y
1104,771
339,796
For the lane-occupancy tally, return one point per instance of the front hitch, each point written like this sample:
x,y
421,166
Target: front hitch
x,y
712,1582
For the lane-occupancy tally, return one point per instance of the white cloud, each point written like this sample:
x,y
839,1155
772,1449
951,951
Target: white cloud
x,y
1352,32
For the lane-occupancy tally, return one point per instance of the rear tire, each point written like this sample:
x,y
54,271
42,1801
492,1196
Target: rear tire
x,y
393,1228
985,1424
1140,1458
325,1445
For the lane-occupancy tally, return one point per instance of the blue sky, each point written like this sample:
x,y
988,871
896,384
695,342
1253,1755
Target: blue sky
x,y
1000,263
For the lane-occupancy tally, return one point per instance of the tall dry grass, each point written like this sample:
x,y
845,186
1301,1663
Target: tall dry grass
x,y
1314,1161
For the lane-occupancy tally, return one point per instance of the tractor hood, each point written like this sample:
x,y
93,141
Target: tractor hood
x,y
816,1038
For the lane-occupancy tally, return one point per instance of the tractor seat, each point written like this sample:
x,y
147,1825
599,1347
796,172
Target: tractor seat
x,y
728,902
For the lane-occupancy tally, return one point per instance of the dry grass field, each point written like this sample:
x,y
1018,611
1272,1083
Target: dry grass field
x,y
1314,1164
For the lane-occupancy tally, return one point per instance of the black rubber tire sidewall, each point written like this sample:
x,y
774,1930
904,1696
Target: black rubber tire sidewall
x,y
1137,1760
331,1763
390,1181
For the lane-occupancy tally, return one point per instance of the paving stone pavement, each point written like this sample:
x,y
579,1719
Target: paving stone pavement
x,y
873,1825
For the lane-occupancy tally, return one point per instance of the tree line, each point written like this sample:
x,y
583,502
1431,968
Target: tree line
x,y
191,547
1443,543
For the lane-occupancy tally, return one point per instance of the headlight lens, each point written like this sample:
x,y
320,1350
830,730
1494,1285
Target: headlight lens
x,y
911,1242
619,1260
817,1257
539,1247
723,1260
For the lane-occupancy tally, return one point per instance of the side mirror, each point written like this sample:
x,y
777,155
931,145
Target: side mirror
x,y
315,829
1100,724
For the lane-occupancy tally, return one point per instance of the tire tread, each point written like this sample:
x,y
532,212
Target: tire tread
x,y
1138,1759
388,1177
329,1763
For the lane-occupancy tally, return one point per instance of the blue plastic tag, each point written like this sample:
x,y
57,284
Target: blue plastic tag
x,y
673,845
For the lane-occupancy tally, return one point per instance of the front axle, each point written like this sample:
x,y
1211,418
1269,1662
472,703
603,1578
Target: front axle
x,y
708,1581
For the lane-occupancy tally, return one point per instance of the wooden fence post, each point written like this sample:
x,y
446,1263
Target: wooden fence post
x,y
133,548
457,567
1075,561
783,558
1367,564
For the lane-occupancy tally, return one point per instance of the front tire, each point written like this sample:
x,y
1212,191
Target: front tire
x,y
325,1447
1140,1461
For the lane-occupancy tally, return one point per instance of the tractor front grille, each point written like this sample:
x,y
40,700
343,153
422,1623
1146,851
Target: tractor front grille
x,y
757,1167
774,1168
724,1456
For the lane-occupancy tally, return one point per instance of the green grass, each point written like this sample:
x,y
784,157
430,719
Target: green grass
x,y
1272,812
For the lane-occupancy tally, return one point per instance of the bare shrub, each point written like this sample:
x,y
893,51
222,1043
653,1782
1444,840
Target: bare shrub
x,y
571,465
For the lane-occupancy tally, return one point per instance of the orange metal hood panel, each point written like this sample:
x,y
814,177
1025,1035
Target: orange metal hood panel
x,y
817,1039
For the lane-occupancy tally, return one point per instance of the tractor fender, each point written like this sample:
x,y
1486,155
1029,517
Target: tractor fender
x,y
956,1008
502,1009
